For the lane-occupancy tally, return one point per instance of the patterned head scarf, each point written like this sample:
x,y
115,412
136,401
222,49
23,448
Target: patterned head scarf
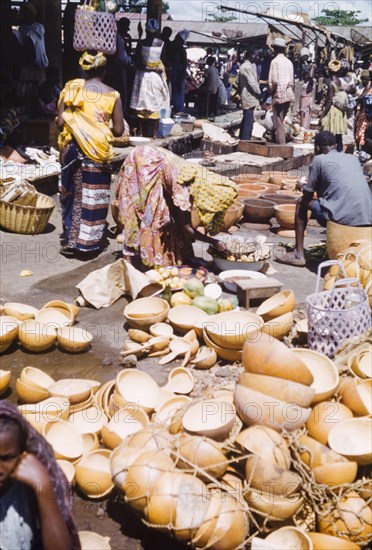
x,y
88,61
39,447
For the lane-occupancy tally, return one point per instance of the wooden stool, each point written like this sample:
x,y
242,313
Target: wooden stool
x,y
251,289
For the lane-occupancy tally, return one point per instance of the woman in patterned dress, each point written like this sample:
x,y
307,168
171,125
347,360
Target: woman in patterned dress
x,y
85,110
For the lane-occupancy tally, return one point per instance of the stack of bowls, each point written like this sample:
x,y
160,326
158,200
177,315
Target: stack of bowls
x,y
49,410
78,391
226,332
144,312
275,402
277,314
33,385
8,331
57,314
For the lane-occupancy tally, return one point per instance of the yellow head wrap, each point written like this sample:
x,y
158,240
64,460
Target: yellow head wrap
x,y
88,61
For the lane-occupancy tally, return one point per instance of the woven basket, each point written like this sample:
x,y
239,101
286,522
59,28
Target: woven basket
x,y
95,30
28,220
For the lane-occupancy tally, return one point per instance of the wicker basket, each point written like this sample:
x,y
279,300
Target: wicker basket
x,y
28,220
94,30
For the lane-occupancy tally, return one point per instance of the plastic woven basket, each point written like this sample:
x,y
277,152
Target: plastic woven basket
x,y
94,30
338,314
28,220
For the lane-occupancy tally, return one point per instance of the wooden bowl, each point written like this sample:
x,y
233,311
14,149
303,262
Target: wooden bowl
x,y
315,454
139,388
67,443
279,304
324,371
230,355
69,310
125,422
279,326
90,420
285,215
352,438
68,469
232,215
22,312
270,356
265,476
328,542
144,312
286,390
185,318
93,541
265,443
214,419
74,339
180,381
77,390
231,329
5,376
324,417
8,331
93,474
357,395
142,475
35,336
36,378
258,210
254,407
276,507
336,474
279,198
30,394
48,410
361,363
289,537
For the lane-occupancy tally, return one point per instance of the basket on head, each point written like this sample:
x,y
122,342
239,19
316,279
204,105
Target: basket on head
x,y
28,220
94,30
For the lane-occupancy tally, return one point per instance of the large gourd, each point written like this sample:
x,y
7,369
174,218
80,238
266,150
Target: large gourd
x,y
193,288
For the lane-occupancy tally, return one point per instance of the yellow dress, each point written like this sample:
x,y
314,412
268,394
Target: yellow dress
x,y
86,117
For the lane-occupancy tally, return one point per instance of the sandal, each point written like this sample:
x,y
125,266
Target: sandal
x,y
290,259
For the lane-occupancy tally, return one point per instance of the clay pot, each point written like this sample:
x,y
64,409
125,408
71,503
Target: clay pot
x,y
285,215
258,210
279,198
232,215
247,194
255,187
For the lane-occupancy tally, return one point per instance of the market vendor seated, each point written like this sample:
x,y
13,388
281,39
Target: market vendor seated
x,y
342,190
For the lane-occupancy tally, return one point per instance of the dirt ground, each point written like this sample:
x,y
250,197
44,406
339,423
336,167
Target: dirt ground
x,y
55,277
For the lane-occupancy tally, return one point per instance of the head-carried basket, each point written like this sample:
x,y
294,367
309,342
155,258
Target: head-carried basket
x,y
94,30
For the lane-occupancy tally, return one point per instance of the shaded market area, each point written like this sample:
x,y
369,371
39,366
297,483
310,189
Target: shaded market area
x,y
186,283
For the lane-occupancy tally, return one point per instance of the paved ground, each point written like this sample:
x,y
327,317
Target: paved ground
x,y
55,277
